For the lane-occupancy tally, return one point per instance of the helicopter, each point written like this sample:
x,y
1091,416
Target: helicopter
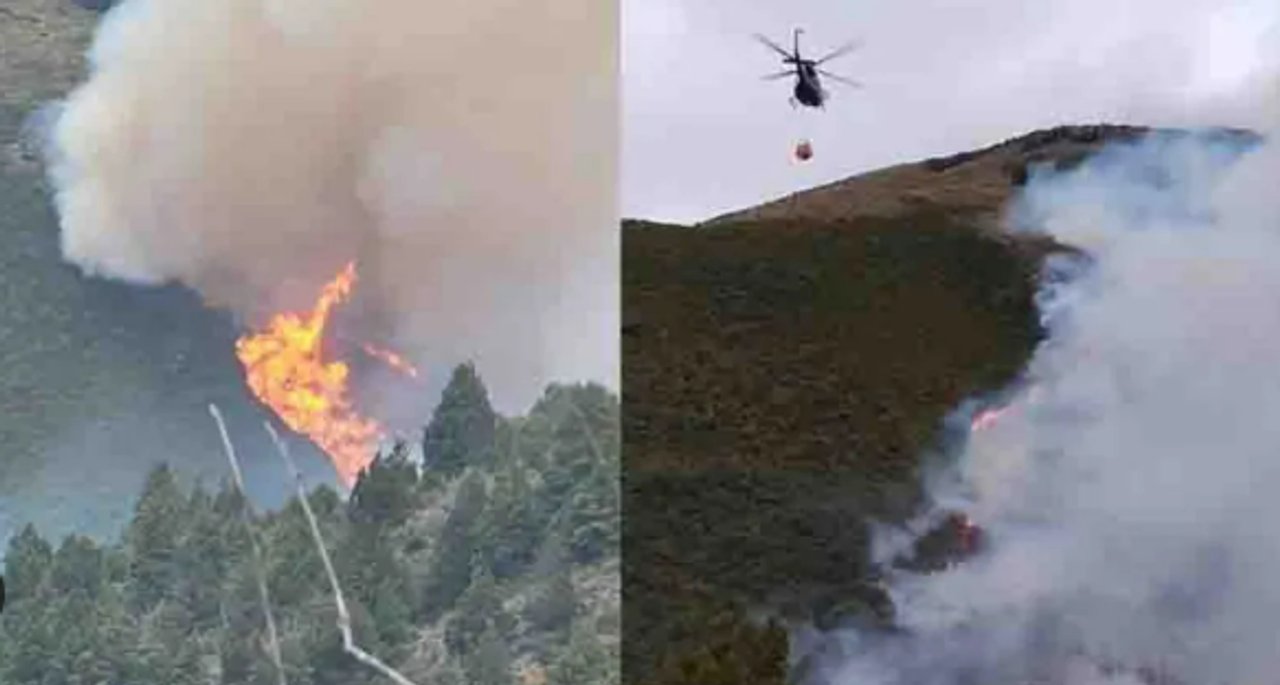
x,y
808,72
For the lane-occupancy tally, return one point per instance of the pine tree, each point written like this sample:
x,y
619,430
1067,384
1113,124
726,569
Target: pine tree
x,y
114,635
554,604
595,517
202,559
574,451
372,575
153,537
384,494
295,571
479,610
27,563
455,561
580,484
78,568
463,426
510,532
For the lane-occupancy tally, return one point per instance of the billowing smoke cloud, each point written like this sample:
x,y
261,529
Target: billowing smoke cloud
x,y
463,152
1129,490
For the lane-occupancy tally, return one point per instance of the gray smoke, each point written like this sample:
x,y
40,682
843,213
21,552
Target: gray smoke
x,y
464,152
1129,491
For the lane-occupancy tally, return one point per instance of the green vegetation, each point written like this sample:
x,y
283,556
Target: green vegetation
x,y
88,363
504,563
782,380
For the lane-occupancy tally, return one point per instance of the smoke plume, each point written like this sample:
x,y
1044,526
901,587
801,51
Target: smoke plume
x,y
463,152
1129,490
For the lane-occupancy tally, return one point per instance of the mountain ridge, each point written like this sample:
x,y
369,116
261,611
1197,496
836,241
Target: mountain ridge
x,y
978,181
786,368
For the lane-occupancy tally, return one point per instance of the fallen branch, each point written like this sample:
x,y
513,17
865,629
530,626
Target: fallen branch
x,y
344,617
273,642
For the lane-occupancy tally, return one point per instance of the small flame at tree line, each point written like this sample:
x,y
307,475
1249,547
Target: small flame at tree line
x,y
985,419
286,370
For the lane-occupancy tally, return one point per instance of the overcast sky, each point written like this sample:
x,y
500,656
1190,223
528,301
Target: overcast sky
x,y
704,134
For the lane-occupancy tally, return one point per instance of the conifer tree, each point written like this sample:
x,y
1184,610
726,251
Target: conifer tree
x,y
455,562
26,564
510,530
384,493
153,537
463,426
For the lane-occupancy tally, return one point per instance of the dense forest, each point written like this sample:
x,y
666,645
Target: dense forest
x,y
493,560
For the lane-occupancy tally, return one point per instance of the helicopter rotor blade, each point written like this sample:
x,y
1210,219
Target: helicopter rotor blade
x,y
773,46
836,77
777,75
840,51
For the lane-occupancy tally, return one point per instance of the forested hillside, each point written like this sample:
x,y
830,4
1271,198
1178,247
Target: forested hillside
x,y
784,376
493,561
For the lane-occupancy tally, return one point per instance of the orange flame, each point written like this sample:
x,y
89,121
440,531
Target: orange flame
x,y
286,370
391,359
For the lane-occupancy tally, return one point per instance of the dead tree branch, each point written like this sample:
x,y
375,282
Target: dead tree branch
x,y
273,641
344,617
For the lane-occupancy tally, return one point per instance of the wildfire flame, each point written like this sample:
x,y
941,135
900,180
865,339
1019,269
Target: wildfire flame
x,y
391,359
286,370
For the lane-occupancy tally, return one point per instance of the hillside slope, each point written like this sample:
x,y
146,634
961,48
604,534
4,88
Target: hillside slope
x,y
785,369
976,184
780,382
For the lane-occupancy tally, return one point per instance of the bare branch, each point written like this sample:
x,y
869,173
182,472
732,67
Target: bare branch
x,y
273,641
344,617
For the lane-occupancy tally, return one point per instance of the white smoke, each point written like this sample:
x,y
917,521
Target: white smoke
x,y
464,152
1129,495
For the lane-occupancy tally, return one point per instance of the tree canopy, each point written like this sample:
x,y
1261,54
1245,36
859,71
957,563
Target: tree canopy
x,y
435,558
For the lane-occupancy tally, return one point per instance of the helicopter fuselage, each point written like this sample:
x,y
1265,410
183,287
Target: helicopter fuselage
x,y
808,91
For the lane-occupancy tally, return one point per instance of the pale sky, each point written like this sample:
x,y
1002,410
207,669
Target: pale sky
x,y
704,134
